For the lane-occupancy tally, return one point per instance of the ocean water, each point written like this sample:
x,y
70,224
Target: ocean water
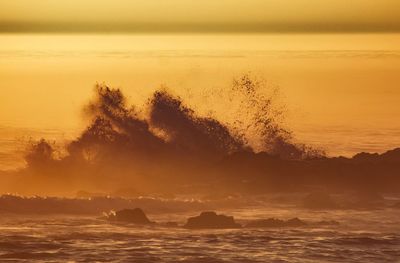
x,y
362,236
340,90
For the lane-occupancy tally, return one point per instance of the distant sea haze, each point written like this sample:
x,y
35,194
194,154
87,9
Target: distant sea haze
x,y
340,91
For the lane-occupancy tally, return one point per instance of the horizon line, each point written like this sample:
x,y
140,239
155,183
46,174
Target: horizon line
x,y
195,28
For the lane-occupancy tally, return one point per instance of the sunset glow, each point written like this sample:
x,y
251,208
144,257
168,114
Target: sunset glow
x,y
199,131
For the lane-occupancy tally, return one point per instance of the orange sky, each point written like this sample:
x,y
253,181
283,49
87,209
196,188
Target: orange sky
x,y
206,15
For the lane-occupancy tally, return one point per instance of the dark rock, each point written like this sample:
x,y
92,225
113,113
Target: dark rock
x,y
211,220
392,156
135,216
365,157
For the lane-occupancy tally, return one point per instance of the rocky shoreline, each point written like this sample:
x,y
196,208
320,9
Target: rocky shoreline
x,y
211,220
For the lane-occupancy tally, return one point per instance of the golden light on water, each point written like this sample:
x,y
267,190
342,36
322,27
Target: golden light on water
x,y
199,131
328,81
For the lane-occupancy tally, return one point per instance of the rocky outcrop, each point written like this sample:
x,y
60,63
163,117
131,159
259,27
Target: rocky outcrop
x,y
210,220
135,216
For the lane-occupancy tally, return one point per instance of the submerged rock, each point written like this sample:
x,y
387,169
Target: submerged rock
x,y
135,216
273,222
207,220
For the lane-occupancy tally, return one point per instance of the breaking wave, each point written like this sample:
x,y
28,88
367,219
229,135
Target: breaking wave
x,y
165,144
167,147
